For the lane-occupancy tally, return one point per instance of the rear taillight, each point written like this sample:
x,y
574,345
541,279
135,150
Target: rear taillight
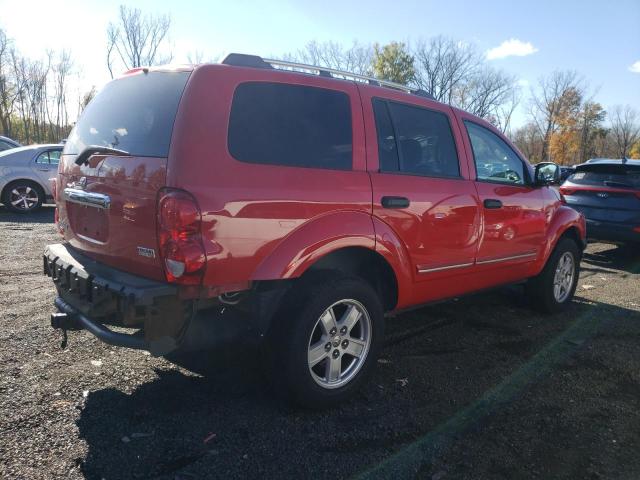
x,y
179,237
564,191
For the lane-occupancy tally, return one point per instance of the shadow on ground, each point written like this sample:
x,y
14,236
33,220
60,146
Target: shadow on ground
x,y
228,425
618,257
43,215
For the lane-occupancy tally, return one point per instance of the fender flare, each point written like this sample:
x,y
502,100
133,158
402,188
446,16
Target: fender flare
x,y
393,250
313,240
563,219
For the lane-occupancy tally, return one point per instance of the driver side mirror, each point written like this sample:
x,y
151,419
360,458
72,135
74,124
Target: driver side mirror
x,y
547,173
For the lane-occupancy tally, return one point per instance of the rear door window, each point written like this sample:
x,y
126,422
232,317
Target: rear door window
x,y
415,140
291,125
49,157
135,114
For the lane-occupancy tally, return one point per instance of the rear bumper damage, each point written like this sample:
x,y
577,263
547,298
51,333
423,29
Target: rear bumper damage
x,y
150,315
95,297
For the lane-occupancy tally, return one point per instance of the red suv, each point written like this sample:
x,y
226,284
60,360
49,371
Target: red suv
x,y
295,205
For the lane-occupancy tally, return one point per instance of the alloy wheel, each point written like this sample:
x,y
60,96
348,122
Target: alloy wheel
x,y
339,343
563,278
23,197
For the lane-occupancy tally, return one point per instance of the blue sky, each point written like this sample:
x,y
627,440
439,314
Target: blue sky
x,y
601,40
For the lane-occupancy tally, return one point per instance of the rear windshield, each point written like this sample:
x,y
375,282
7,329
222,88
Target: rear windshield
x,y
615,178
134,114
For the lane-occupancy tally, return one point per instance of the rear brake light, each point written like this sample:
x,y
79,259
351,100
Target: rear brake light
x,y
567,191
636,229
179,237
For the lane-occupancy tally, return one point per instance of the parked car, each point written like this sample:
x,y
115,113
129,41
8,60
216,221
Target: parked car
x,y
240,200
565,172
607,192
6,143
25,174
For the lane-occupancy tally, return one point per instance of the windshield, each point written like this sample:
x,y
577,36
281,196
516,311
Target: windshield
x,y
134,114
618,178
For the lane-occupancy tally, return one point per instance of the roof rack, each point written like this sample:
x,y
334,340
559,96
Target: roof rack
x,y
242,60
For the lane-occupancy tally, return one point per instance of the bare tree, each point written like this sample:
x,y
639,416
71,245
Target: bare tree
x,y
484,92
137,40
8,93
625,130
443,66
357,58
550,100
61,72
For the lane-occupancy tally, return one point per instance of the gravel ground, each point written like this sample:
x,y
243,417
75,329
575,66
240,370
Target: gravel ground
x,y
480,387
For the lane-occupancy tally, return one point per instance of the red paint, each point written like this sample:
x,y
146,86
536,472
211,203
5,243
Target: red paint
x,y
264,222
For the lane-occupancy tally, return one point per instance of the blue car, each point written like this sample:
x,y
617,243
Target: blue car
x,y
607,192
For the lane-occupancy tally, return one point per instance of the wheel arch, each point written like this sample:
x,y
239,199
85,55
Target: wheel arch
x,y
567,223
363,263
13,181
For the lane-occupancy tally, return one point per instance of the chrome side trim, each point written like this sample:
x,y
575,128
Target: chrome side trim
x,y
446,267
505,259
89,199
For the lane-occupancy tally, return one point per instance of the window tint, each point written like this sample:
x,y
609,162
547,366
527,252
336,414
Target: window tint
x,y
424,141
387,149
50,157
292,125
614,177
5,146
134,113
495,160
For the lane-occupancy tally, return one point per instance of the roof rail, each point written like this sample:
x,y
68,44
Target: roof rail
x,y
255,61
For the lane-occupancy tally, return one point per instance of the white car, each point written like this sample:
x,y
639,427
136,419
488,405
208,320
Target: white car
x,y
25,174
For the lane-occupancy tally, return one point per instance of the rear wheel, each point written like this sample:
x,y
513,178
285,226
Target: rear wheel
x,y
327,341
552,290
23,197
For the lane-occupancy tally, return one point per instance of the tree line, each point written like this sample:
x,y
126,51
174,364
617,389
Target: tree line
x,y
564,122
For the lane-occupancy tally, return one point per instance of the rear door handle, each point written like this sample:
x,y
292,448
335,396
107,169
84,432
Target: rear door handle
x,y
395,202
492,203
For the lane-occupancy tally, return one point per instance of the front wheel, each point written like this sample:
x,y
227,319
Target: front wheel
x,y
552,290
327,341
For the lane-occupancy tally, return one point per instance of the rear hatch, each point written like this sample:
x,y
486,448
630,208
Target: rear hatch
x,y
605,192
107,206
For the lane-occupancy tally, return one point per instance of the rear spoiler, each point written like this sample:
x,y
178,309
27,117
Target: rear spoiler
x,y
619,168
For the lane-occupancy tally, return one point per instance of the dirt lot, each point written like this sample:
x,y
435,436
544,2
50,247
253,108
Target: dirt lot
x,y
481,387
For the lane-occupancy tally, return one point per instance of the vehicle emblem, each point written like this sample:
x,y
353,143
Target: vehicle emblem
x,y
146,252
603,195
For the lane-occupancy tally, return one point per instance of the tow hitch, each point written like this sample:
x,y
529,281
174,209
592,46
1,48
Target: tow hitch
x,y
64,322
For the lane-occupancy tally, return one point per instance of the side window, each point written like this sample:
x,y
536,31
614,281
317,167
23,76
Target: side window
x,y
387,148
495,160
291,125
424,143
43,158
54,157
5,146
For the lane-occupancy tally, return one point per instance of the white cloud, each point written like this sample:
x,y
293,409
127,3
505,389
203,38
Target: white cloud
x,y
635,67
511,48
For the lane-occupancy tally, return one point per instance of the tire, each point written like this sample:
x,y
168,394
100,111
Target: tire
x,y
542,290
313,365
23,196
